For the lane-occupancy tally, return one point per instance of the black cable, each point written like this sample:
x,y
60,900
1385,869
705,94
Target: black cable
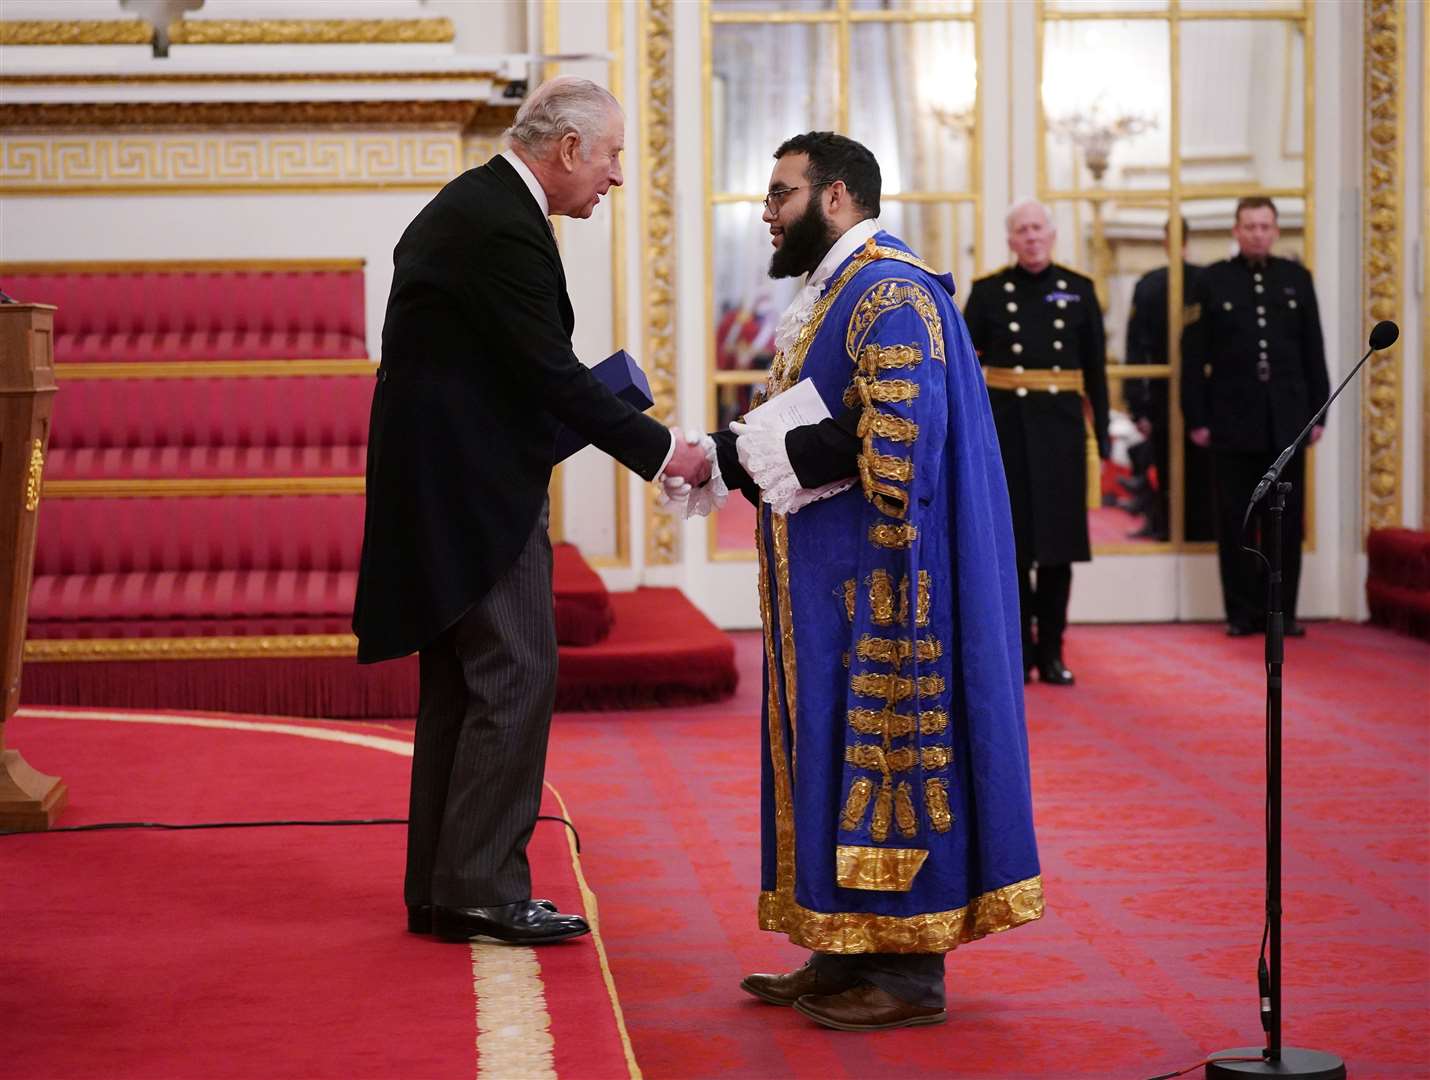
x,y
108,826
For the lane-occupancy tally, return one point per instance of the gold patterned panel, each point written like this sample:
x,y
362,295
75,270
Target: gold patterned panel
x,y
779,765
933,758
887,498
851,592
885,391
991,912
895,688
894,537
222,161
311,31
936,802
890,724
860,792
877,759
883,813
888,467
1383,205
75,32
214,487
657,91
921,610
33,477
877,869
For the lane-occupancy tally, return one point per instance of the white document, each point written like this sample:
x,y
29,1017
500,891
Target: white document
x,y
795,407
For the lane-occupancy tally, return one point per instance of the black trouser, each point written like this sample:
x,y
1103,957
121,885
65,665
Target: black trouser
x,y
487,688
1243,579
1045,600
916,978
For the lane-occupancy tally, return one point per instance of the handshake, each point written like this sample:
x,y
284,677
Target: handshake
x,y
691,483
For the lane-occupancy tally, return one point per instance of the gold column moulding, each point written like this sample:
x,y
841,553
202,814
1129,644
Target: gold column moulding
x,y
657,83
311,31
1380,214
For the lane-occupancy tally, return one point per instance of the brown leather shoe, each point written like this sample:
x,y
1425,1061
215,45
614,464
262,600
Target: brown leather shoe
x,y
867,1008
787,989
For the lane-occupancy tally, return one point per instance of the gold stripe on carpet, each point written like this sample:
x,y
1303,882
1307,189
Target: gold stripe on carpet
x,y
588,901
513,1025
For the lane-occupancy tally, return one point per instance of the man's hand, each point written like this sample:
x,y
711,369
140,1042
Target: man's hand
x,y
1144,427
1201,436
1317,432
689,463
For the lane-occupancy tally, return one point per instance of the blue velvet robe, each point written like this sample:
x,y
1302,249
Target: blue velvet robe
x,y
897,814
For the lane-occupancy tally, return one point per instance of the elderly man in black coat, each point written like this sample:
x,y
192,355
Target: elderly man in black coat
x,y
1038,330
477,376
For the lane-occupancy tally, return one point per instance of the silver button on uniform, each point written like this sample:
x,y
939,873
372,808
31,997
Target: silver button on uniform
x,y
1022,391
1058,345
1014,327
1017,347
1012,306
1058,324
1007,286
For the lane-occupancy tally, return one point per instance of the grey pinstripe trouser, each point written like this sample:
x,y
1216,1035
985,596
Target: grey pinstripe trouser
x,y
488,684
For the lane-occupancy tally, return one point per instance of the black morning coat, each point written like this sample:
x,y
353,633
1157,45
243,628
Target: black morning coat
x,y
477,376
1041,321
1253,360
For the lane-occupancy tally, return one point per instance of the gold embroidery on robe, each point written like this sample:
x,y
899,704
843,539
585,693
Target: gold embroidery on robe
x,y
897,651
882,425
935,757
895,537
876,358
904,816
850,591
895,688
888,295
883,811
881,598
936,802
878,869
922,604
860,793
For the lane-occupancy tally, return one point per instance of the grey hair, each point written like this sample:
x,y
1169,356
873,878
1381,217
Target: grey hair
x,y
561,106
1024,204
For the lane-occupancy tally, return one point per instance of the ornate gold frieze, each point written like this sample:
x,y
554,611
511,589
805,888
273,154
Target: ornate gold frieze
x,y
217,161
311,31
876,868
1382,209
34,475
939,931
657,92
75,32
278,646
266,114
895,537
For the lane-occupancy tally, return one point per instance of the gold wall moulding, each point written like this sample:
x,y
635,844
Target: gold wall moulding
x,y
277,646
112,164
34,477
216,114
180,266
218,487
311,31
49,79
657,93
1383,203
75,32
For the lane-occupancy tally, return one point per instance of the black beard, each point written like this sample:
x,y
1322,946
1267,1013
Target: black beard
x,y
807,240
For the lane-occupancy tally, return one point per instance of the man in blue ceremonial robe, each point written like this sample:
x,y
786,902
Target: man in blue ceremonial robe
x,y
897,816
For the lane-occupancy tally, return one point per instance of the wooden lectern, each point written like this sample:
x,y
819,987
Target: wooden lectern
x,y
29,800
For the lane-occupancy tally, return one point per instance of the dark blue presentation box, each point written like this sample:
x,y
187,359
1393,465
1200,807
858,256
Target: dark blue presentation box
x,y
624,378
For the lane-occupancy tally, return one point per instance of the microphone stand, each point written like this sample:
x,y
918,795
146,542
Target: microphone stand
x,y
1286,1063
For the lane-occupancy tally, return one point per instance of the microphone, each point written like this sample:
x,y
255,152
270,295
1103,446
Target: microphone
x,y
1382,336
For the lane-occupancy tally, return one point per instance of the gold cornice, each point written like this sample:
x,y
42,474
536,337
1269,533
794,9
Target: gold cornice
x,y
1382,206
217,487
178,266
208,115
311,31
204,77
75,32
275,646
657,92
213,369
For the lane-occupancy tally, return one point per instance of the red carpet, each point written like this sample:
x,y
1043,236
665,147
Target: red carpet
x,y
1148,794
272,952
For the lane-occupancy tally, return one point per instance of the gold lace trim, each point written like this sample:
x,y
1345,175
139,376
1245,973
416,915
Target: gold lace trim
x,y
936,803
860,792
895,537
877,869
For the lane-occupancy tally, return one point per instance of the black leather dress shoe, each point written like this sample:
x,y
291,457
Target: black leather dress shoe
x,y
419,916
522,923
1293,629
1237,629
1053,671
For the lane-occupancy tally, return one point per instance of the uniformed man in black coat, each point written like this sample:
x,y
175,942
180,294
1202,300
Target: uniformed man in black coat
x,y
1148,402
1038,330
1253,375
477,377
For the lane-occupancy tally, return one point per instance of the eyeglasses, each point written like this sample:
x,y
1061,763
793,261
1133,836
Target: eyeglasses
x,y
775,199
